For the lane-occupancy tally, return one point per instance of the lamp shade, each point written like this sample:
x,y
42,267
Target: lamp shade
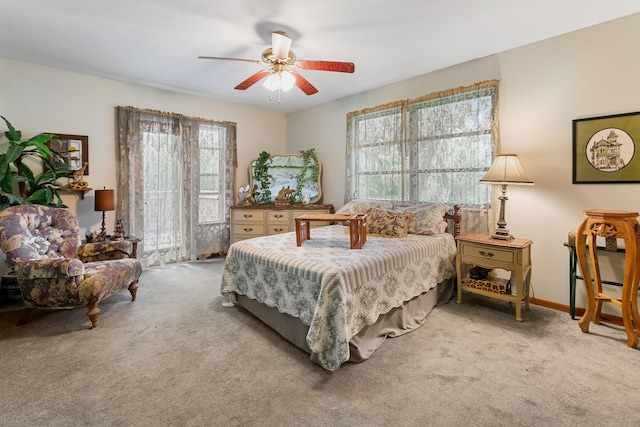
x,y
105,200
506,169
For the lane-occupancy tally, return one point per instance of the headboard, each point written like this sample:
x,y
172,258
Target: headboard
x,y
454,220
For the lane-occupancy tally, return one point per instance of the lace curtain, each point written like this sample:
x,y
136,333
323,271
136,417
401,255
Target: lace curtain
x,y
176,179
434,148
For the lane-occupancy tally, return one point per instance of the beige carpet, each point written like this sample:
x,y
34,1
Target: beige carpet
x,y
176,357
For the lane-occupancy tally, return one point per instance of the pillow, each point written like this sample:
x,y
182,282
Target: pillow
x,y
360,205
381,222
427,217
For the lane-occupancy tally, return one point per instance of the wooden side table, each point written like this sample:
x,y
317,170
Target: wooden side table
x,y
621,225
134,241
357,227
483,251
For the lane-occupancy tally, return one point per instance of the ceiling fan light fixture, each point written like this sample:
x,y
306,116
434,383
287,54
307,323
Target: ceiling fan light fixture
x,y
282,80
281,43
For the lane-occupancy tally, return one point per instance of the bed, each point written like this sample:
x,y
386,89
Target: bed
x,y
340,304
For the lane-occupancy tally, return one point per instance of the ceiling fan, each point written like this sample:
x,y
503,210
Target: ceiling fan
x,y
281,59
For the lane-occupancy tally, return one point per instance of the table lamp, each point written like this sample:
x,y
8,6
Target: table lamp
x,y
104,201
506,169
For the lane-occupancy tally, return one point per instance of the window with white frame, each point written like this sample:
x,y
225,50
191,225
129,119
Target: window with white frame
x,y
434,148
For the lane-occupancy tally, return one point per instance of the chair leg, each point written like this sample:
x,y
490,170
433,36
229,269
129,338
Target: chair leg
x,y
93,314
133,288
23,317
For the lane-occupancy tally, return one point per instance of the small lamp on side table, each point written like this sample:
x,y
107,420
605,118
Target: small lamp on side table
x,y
104,201
506,169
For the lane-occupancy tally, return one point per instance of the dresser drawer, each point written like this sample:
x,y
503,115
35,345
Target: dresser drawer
x,y
248,229
277,228
244,215
481,252
278,216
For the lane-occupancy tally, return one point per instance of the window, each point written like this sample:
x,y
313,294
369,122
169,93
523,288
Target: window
x,y
176,183
212,140
435,148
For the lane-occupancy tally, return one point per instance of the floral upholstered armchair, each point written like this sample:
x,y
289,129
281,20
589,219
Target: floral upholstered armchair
x,y
42,247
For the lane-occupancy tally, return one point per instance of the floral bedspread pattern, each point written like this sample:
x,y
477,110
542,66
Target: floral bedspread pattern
x,y
333,289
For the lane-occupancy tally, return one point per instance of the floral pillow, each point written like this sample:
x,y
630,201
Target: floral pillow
x,y
427,217
385,223
361,205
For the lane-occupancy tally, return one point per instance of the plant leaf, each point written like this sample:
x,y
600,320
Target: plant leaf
x,y
12,134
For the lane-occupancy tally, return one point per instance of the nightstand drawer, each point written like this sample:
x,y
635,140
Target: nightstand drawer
x,y
482,252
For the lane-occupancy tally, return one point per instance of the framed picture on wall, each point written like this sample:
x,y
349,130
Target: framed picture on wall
x,y
606,150
73,151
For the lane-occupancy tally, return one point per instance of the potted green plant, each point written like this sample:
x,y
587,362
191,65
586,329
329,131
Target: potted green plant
x,y
18,182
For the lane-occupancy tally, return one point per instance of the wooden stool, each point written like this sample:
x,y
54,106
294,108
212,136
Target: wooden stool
x,y
621,225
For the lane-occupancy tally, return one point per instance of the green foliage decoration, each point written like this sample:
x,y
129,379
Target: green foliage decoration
x,y
309,171
261,174
18,183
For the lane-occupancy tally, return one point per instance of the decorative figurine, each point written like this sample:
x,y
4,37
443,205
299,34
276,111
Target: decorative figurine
x,y
244,194
118,232
78,182
284,196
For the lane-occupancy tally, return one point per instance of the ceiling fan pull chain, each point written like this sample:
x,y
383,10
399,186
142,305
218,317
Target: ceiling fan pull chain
x,y
271,96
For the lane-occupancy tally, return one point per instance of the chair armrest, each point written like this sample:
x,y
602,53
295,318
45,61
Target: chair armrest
x,y
48,268
99,251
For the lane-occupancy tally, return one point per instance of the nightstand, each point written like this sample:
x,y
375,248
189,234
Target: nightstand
x,y
483,251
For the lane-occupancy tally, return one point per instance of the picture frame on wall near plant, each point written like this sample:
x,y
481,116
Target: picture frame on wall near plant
x,y
73,150
606,150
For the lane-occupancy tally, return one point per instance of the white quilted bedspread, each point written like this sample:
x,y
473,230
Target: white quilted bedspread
x,y
333,289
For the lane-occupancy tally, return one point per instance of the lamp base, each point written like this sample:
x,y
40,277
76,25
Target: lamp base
x,y
502,235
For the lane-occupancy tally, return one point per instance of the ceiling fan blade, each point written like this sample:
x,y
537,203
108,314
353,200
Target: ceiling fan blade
x,y
230,59
303,83
255,78
280,44
341,67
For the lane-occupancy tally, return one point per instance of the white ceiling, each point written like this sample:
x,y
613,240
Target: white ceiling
x,y
157,42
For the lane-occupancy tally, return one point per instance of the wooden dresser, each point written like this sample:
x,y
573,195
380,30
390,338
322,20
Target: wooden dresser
x,y
248,221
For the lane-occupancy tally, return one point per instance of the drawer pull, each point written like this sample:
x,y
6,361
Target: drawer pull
x,y
278,230
486,254
247,215
278,215
247,230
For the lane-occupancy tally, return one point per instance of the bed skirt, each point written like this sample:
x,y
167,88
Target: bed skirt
x,y
400,320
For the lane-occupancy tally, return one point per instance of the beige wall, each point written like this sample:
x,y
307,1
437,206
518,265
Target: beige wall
x,y
544,86
38,99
